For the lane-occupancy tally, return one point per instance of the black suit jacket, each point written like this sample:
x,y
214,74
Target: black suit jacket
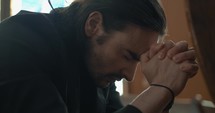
x,y
40,73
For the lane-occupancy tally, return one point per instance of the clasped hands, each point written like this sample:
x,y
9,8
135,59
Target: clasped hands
x,y
169,64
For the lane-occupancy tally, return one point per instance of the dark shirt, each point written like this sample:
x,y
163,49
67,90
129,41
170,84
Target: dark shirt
x,y
40,72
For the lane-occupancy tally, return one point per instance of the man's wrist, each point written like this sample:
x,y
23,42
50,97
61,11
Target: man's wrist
x,y
169,106
154,99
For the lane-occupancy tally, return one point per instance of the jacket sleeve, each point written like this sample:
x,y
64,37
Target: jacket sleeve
x,y
30,94
114,103
24,87
128,109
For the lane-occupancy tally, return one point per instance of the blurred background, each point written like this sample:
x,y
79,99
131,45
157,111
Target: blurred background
x,y
178,29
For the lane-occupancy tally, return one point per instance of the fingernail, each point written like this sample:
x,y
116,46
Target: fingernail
x,y
161,44
182,67
146,60
161,56
175,59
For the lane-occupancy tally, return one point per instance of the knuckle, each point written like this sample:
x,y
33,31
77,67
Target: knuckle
x,y
185,56
169,44
182,46
184,42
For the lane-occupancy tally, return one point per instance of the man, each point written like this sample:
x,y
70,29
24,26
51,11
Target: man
x,y
68,61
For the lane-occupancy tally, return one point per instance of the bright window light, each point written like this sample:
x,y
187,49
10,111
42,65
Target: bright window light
x,y
119,87
37,5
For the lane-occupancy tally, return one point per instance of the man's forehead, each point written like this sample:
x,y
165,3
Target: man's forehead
x,y
160,39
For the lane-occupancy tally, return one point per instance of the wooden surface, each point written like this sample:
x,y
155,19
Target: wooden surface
x,y
201,15
5,9
176,12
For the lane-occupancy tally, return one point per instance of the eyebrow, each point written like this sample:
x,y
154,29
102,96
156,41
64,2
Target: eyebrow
x,y
134,55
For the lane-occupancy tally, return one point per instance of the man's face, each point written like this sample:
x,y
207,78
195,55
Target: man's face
x,y
115,55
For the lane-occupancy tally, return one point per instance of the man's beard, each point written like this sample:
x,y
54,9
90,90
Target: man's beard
x,y
104,80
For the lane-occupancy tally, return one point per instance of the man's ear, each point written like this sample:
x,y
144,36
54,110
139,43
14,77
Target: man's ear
x,y
93,24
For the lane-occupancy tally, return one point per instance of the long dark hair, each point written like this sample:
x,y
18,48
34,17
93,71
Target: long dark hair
x,y
70,20
116,15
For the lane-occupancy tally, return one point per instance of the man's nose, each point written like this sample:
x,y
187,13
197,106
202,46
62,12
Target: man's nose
x,y
129,71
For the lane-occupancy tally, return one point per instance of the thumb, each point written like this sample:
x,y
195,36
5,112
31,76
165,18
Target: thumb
x,y
144,58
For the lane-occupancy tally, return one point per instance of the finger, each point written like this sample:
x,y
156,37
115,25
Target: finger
x,y
187,55
145,57
191,68
155,48
168,45
179,47
160,39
